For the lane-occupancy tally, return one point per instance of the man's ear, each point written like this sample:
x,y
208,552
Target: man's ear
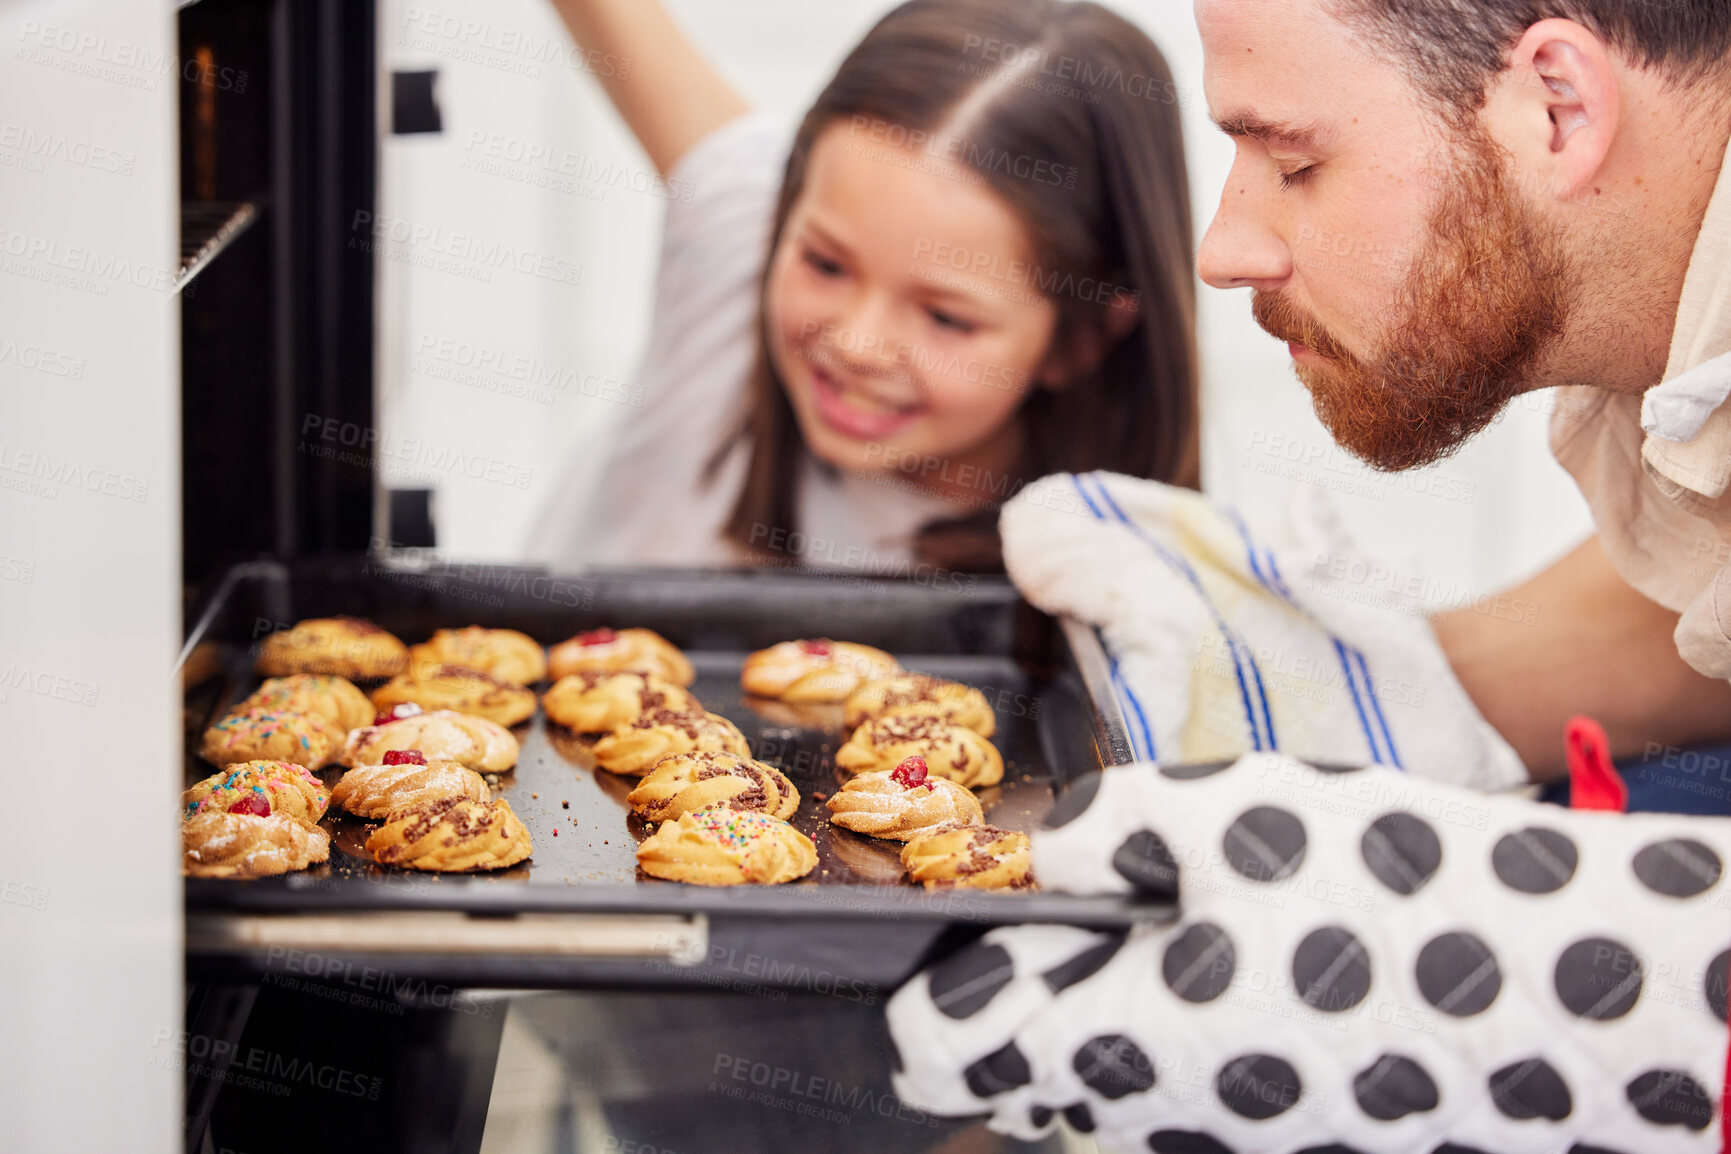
x,y
1557,108
1083,352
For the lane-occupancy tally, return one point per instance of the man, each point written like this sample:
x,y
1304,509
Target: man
x,y
1534,192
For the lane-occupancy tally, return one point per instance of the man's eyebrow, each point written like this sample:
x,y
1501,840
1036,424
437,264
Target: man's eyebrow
x,y
1244,124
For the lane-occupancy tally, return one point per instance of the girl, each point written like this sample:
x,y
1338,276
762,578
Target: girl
x,y
977,271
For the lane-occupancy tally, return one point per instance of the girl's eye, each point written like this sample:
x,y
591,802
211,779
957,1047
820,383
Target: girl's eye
x,y
1296,176
951,321
821,264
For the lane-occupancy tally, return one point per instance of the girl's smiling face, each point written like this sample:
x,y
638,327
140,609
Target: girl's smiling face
x,y
902,314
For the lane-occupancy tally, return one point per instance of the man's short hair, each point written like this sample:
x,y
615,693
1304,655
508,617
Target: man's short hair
x,y
1457,46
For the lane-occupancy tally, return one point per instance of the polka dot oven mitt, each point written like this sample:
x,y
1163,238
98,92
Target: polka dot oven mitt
x,y
1365,963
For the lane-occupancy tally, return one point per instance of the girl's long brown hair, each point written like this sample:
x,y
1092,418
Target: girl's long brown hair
x,y
1085,91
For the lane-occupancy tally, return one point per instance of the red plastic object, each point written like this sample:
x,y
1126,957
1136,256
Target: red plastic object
x,y
1594,782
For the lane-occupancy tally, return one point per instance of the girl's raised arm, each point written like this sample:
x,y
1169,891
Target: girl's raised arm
x,y
670,96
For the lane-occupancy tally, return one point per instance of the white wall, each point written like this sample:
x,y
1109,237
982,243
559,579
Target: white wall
x,y
1499,510
89,578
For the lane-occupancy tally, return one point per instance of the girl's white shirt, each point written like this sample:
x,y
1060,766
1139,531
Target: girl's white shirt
x,y
656,503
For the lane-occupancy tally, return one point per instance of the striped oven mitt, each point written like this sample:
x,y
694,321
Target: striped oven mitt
x,y
1229,638
1366,962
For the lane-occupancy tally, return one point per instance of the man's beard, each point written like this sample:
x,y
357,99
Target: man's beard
x,y
1485,300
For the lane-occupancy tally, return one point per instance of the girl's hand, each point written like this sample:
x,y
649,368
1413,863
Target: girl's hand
x,y
670,96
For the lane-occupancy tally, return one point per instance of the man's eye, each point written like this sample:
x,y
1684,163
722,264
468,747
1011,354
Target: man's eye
x,y
1296,176
822,264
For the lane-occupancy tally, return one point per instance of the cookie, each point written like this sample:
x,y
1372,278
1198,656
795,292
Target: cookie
x,y
216,844
451,835
620,651
918,694
685,783
601,702
343,646
271,735
978,857
727,847
814,670
373,791
260,788
503,654
442,735
457,688
903,804
336,699
660,733
949,750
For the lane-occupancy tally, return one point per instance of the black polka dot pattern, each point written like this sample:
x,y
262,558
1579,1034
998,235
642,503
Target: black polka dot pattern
x,y
1331,1148
1678,868
1186,1142
1195,771
964,983
1258,1086
1583,1148
1331,970
1084,965
1535,860
1715,984
1038,1116
1074,801
1393,1087
1598,979
1145,862
1403,852
1113,1066
1531,1089
1671,1098
1454,1148
999,1072
1337,767
1199,963
1265,844
1080,1118
1458,974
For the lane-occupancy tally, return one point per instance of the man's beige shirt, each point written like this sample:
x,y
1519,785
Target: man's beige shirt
x,y
1663,506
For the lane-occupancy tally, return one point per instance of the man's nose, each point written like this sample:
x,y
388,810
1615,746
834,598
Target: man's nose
x,y
1241,248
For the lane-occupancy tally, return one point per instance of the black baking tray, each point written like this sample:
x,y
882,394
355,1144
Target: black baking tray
x,y
855,919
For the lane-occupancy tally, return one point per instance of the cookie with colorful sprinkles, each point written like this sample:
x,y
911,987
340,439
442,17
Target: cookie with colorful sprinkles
x,y
727,847
304,739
